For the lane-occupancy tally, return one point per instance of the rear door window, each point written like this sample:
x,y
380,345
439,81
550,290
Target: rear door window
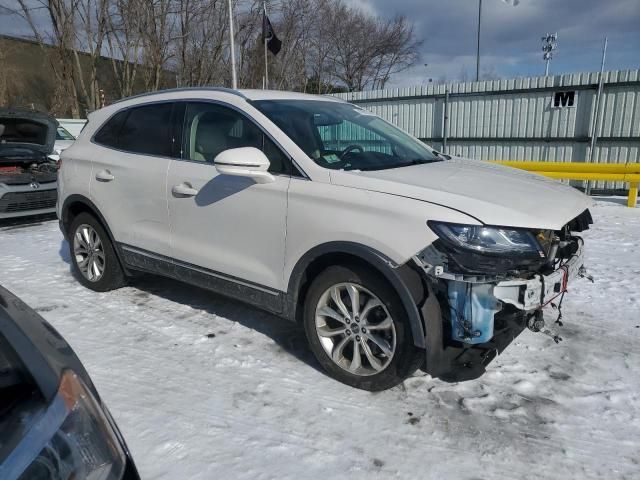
x,y
147,130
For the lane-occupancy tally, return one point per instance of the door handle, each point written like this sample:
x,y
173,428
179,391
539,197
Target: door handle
x,y
184,190
104,176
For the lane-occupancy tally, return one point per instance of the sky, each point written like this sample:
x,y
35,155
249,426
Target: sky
x,y
511,36
511,43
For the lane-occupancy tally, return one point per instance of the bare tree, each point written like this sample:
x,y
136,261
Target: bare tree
x,y
297,26
397,50
200,41
76,35
124,43
367,50
322,42
328,45
92,26
61,39
156,23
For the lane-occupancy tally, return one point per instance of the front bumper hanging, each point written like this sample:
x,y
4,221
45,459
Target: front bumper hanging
x,y
480,316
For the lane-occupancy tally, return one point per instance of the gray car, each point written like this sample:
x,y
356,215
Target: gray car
x,y
53,423
28,177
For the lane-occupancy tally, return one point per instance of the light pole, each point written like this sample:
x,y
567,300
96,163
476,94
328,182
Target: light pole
x,y
513,3
549,44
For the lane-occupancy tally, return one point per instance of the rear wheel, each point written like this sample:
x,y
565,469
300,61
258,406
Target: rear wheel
x,y
93,258
358,329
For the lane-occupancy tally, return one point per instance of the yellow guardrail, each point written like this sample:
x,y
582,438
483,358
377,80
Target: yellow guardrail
x,y
629,172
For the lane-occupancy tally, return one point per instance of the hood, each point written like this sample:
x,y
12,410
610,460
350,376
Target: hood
x,y
23,132
493,194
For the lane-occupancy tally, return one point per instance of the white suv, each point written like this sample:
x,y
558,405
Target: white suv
x,y
392,255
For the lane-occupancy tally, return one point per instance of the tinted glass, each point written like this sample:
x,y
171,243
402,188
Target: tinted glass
x,y
108,134
341,136
147,130
210,129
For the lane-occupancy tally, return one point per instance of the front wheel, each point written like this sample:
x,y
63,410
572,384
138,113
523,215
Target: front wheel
x,y
358,328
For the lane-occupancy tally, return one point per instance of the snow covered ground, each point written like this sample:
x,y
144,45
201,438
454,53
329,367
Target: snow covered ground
x,y
206,388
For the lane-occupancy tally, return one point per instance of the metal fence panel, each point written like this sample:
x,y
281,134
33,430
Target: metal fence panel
x,y
515,119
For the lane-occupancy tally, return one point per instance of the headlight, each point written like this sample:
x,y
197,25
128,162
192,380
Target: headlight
x,y
488,240
73,439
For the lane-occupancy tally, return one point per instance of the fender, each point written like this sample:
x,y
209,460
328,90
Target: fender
x,y
64,221
391,272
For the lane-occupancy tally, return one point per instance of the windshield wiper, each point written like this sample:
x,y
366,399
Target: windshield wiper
x,y
442,155
422,161
410,163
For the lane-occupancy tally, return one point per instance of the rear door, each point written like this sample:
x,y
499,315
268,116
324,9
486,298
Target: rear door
x,y
230,226
128,180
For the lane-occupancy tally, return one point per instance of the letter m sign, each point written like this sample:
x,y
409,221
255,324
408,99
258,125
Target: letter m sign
x,y
564,99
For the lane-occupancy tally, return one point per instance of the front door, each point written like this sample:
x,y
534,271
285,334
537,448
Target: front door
x,y
224,225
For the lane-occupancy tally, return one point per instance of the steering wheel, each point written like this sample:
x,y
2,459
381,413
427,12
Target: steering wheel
x,y
350,149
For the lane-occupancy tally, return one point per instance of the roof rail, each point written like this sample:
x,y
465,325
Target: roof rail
x,y
183,89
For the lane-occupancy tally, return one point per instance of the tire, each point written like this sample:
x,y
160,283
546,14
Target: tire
x,y
383,363
93,244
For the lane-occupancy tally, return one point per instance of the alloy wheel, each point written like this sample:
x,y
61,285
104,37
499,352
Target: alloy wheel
x,y
89,252
355,329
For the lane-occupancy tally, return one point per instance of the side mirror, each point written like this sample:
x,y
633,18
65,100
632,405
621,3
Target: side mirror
x,y
244,162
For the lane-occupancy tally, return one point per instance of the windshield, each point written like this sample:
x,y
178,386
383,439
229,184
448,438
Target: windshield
x,y
63,134
341,136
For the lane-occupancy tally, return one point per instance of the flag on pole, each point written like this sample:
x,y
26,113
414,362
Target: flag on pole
x,y
513,3
268,35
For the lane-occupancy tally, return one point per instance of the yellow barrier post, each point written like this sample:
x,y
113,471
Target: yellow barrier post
x,y
633,194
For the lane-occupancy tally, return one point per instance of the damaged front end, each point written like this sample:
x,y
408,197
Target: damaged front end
x,y
487,284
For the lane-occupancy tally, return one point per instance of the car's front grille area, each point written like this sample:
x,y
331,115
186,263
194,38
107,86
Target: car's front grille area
x,y
22,201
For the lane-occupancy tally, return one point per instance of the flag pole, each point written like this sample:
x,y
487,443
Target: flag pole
x,y
234,80
478,44
266,63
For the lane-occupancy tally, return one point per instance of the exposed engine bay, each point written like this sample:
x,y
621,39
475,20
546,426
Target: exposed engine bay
x,y
23,171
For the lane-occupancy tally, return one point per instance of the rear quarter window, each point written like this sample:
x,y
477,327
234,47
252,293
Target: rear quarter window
x,y
108,133
145,130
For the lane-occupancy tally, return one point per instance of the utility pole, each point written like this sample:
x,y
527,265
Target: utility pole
x,y
596,113
549,44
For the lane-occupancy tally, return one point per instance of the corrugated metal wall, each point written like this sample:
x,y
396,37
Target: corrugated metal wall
x,y
515,119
